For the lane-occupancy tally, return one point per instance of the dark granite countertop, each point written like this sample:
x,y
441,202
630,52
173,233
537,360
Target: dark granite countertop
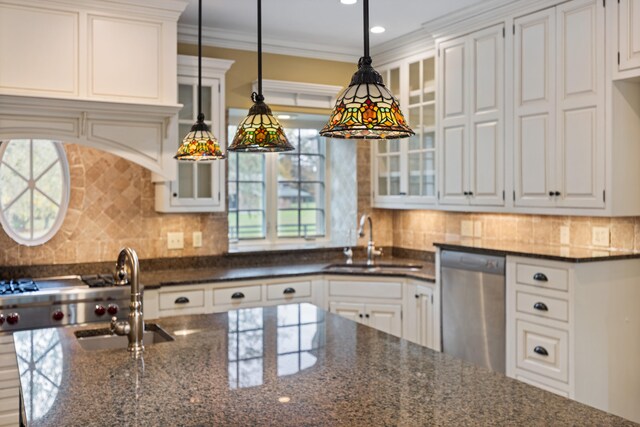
x,y
279,366
557,253
160,278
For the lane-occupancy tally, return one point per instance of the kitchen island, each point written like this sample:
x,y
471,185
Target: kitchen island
x,y
285,365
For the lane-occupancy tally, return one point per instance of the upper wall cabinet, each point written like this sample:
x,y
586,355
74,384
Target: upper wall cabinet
x,y
471,119
89,50
403,171
199,186
559,133
94,72
629,35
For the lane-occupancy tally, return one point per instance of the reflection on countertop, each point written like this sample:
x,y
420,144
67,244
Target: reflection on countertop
x,y
286,365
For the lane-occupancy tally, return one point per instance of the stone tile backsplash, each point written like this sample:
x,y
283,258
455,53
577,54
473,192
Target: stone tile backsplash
x,y
112,205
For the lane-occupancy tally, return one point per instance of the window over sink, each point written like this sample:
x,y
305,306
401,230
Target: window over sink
x,y
281,198
34,189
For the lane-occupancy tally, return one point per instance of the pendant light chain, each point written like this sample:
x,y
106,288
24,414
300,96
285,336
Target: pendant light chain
x,y
199,58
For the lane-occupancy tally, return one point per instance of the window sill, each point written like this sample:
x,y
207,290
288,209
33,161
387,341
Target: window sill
x,y
252,246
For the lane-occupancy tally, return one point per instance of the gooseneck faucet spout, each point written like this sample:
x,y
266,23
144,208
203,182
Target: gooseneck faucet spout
x,y
372,251
127,272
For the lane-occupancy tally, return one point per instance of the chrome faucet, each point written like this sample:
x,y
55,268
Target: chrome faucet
x,y
372,251
134,327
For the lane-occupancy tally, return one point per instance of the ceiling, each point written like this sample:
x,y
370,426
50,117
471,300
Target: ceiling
x,y
322,24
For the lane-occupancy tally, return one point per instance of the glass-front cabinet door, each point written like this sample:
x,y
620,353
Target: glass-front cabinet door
x,y
404,170
199,186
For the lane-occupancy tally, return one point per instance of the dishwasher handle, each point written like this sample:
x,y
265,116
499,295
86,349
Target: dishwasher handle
x,y
490,264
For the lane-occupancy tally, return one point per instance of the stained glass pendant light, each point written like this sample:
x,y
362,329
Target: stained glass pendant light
x,y
366,109
199,144
260,131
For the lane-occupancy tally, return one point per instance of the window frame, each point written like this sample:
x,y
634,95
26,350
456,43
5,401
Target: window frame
x,y
64,201
271,241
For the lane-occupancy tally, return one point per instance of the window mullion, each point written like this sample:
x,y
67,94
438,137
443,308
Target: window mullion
x,y
271,163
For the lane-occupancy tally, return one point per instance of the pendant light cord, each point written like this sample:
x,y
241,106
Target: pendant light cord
x,y
260,97
200,60
365,7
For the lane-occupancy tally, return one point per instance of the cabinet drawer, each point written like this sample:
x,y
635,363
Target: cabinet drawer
x,y
182,299
288,291
543,350
239,295
343,288
545,277
541,305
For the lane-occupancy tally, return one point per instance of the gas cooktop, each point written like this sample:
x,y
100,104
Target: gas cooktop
x,y
17,286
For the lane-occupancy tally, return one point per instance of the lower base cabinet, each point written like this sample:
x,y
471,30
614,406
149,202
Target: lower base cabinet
x,y
420,320
384,317
574,329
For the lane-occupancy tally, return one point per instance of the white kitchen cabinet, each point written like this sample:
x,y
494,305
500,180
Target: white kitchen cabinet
x,y
384,317
629,35
471,119
559,141
572,328
375,302
420,322
404,171
199,186
9,383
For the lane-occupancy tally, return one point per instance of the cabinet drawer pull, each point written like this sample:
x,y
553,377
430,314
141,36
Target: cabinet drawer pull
x,y
417,296
237,295
181,300
360,315
540,277
366,315
541,351
289,291
540,306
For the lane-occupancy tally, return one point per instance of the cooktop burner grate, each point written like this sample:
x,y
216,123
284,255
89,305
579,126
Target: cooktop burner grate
x,y
9,287
99,280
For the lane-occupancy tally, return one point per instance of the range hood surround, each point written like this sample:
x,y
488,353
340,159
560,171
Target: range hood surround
x,y
100,73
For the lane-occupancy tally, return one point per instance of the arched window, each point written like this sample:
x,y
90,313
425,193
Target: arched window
x,y
34,189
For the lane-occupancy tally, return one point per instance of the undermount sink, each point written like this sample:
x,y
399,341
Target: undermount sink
x,y
101,339
376,267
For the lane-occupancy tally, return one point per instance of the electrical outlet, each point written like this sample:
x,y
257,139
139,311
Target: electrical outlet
x,y
565,236
600,236
466,228
477,229
175,240
197,239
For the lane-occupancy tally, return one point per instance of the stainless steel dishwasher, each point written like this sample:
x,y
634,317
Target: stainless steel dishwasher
x,y
473,308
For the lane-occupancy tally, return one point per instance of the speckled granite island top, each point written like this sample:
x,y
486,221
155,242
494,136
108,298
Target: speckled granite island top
x,y
160,278
291,365
557,253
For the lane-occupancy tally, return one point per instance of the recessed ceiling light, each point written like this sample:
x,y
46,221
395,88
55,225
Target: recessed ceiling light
x,y
377,29
284,116
348,1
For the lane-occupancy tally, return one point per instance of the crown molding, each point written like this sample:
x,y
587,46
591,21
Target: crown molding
x,y
211,67
415,43
280,92
244,41
165,9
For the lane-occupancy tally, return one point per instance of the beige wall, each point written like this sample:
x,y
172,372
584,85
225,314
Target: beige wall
x,y
244,72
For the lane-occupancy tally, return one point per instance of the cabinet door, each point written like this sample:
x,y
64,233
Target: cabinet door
x,y
453,89
534,108
629,33
486,163
425,318
580,151
349,310
385,317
